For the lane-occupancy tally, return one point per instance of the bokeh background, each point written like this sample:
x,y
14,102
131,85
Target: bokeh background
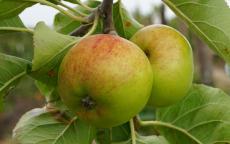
x,y
209,68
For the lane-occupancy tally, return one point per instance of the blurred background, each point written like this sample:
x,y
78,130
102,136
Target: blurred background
x,y
209,68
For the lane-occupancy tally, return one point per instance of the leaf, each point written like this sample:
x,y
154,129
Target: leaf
x,y
202,117
66,25
120,133
11,8
146,140
113,135
48,91
151,140
72,1
125,25
39,126
49,50
11,70
12,24
209,19
52,96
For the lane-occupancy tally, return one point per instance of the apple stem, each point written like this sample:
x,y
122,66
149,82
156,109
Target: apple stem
x,y
107,16
133,133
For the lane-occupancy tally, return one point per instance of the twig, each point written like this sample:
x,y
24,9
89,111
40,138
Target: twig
x,y
82,30
133,133
84,5
95,23
16,29
105,11
162,12
78,18
107,15
72,9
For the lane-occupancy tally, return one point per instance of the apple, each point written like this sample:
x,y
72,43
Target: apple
x,y
105,80
170,55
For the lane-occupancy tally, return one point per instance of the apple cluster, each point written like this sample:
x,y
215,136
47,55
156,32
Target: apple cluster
x,y
106,80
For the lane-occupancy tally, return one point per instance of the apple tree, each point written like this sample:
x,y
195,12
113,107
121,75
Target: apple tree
x,y
107,79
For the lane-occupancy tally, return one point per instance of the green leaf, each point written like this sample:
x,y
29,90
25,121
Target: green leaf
x,y
66,25
52,96
54,1
209,19
12,22
48,91
39,126
146,140
11,70
49,50
72,1
11,25
125,25
120,133
202,117
11,8
114,135
151,140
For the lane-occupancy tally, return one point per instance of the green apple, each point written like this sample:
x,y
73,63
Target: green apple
x,y
170,55
105,80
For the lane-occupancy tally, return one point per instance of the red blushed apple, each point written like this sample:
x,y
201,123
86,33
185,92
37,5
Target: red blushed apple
x,y
105,80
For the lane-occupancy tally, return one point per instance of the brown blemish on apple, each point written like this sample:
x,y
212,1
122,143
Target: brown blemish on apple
x,y
127,24
52,73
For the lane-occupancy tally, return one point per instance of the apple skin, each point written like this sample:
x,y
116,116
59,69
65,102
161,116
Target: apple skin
x,y
170,55
105,79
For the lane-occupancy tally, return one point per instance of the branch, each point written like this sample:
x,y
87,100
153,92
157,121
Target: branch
x,y
133,133
44,2
72,9
162,12
16,29
105,11
107,15
84,5
87,29
82,30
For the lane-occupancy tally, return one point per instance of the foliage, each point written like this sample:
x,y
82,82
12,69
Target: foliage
x,y
208,20
202,117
